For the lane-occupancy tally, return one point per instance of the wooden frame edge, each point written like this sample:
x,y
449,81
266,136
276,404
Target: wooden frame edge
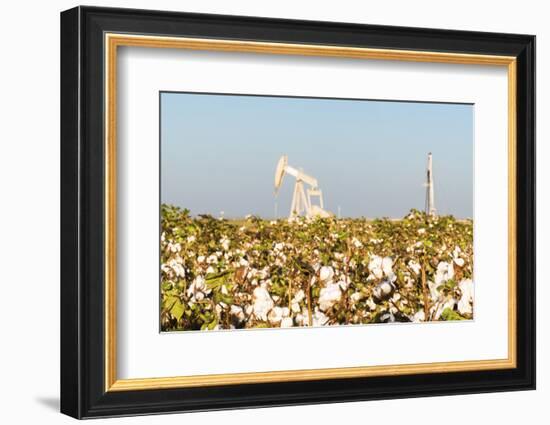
x,y
114,40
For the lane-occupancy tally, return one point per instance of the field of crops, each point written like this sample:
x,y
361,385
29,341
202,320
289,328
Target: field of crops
x,y
253,273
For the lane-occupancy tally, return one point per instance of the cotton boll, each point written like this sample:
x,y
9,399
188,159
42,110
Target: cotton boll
x,y
237,312
466,287
375,266
371,304
387,264
319,318
287,322
299,296
344,284
212,259
419,316
444,272
356,297
262,303
275,315
414,266
383,290
326,273
329,295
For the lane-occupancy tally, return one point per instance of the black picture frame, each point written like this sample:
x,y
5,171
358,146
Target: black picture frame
x,y
83,392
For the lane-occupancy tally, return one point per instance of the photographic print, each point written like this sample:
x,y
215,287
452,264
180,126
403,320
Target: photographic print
x,y
281,212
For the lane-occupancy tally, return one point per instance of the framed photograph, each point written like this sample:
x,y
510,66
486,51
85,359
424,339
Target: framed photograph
x,y
261,212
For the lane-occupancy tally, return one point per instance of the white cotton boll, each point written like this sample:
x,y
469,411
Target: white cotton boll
x,y
174,247
419,316
319,318
356,243
375,266
262,303
295,307
200,283
414,266
444,272
387,264
275,315
210,269
434,293
212,259
326,273
383,290
287,322
371,304
459,261
299,296
329,295
357,296
191,239
200,259
237,312
166,269
224,241
466,287
344,283
224,290
301,319
199,296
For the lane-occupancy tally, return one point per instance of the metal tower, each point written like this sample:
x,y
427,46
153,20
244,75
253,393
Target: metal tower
x,y
430,202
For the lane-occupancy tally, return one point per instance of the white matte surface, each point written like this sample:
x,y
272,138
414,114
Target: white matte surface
x,y
142,350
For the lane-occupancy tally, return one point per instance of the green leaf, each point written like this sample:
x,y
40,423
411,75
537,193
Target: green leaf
x,y
449,315
169,302
177,309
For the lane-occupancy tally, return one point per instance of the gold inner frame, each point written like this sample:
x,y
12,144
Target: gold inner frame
x,y
113,41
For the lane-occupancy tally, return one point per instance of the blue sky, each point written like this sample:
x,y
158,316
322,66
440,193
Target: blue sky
x,y
219,152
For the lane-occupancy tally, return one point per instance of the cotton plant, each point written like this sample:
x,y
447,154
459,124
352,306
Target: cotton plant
x,y
222,274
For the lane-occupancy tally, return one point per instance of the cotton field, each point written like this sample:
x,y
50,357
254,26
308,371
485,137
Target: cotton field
x,y
253,273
